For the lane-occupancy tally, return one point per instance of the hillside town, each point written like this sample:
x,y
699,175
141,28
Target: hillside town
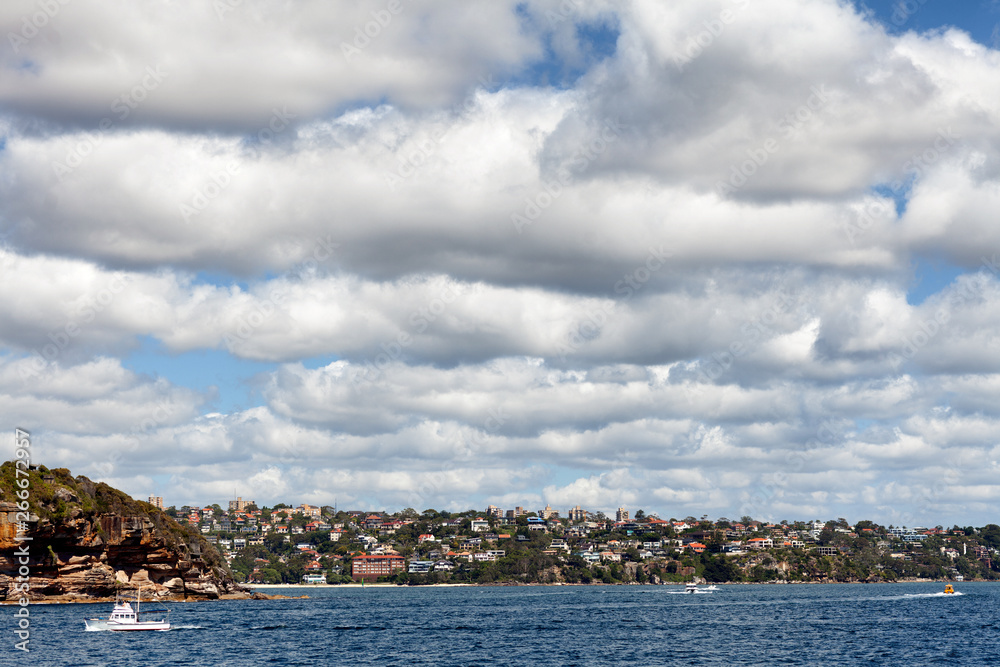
x,y
312,544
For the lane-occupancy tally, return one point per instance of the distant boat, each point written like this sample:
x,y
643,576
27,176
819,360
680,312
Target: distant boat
x,y
691,588
948,588
125,616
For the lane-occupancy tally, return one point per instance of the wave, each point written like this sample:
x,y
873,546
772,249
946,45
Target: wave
x,y
932,595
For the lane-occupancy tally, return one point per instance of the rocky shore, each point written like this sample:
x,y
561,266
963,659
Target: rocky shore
x,y
87,539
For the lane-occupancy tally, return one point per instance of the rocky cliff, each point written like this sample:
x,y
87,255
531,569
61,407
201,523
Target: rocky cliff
x,y
89,538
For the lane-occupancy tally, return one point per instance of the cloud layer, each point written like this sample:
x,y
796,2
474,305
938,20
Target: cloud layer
x,y
621,254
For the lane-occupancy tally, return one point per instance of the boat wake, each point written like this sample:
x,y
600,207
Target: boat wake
x,y
931,595
187,627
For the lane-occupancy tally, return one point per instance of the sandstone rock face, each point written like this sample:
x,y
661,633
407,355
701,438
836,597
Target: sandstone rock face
x,y
86,555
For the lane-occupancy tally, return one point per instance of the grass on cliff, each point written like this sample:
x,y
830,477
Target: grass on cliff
x,y
49,502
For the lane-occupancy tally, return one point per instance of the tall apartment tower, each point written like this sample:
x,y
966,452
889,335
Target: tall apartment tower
x,y
156,501
577,514
622,514
239,504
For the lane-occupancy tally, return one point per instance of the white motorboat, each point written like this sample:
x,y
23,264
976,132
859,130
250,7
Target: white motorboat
x,y
691,588
127,616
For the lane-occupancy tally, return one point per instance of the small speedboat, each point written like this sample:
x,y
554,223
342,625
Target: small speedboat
x,y
125,616
690,588
948,588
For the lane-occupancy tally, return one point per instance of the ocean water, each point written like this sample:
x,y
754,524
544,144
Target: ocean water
x,y
880,624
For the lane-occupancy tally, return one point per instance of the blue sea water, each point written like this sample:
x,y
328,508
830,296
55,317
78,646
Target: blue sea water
x,y
875,624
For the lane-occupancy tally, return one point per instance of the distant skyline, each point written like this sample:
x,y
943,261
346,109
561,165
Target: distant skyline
x,y
726,257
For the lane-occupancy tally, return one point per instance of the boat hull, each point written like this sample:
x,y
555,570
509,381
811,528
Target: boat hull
x,y
97,624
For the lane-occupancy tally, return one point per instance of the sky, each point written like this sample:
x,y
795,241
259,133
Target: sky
x,y
724,258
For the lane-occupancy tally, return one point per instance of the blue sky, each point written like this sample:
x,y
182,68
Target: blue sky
x,y
979,18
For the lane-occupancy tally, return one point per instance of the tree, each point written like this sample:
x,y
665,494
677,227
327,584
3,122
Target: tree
x,y
270,576
720,569
640,515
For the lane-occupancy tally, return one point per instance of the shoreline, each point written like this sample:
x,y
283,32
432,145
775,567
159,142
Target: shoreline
x,y
299,587
669,583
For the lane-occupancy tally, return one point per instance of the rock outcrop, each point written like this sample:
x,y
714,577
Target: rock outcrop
x,y
88,538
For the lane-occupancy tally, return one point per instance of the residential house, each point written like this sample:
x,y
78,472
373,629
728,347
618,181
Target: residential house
x,y
559,544
309,511
420,566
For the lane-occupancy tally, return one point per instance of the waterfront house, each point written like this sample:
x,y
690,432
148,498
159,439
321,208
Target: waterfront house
x,y
420,566
371,567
